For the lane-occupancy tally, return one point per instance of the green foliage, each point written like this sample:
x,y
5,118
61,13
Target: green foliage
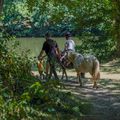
x,y
52,100
82,18
14,68
42,17
100,46
43,101
21,97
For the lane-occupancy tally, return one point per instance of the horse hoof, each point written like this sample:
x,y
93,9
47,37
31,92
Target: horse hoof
x,y
80,85
95,86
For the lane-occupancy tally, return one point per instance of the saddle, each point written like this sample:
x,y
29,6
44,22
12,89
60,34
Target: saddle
x,y
69,65
66,62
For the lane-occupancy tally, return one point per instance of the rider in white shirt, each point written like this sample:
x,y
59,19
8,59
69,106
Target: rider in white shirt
x,y
69,44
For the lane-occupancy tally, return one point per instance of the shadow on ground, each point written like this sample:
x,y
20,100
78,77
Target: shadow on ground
x,y
105,99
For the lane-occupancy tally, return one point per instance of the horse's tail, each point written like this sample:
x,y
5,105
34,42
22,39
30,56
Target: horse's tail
x,y
96,69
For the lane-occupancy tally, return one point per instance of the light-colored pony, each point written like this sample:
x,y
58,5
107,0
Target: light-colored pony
x,y
83,64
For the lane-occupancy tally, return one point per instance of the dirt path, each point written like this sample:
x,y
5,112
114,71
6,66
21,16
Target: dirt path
x,y
105,99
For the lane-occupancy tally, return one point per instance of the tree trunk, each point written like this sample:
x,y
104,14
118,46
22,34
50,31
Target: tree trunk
x,y
116,8
118,36
1,5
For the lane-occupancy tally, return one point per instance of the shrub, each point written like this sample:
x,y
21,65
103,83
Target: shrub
x,y
101,46
15,69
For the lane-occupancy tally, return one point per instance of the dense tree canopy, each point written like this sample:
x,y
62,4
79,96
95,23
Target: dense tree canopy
x,y
97,17
1,5
82,18
22,95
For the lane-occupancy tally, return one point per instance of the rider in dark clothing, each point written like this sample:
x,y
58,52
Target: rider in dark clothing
x,y
52,51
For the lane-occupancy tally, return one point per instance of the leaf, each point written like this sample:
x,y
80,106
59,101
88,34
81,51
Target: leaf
x,y
51,110
76,109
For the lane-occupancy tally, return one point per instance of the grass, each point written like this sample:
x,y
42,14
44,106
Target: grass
x,y
35,44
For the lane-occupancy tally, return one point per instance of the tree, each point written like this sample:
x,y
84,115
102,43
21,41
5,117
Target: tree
x,y
98,18
1,5
116,23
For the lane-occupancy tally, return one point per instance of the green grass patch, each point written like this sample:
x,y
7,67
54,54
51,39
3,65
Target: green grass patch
x,y
35,44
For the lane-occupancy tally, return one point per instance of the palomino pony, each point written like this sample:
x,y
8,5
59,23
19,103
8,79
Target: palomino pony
x,y
83,64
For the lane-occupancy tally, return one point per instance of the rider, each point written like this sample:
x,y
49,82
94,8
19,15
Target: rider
x,y
69,46
52,51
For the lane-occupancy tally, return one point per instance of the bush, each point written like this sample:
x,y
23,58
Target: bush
x,y
101,46
21,98
15,69
43,101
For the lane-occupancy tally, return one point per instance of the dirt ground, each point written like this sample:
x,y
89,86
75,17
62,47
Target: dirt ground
x,y
105,99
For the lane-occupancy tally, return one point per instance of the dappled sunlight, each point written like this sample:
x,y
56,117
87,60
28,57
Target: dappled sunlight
x,y
32,86
105,99
111,69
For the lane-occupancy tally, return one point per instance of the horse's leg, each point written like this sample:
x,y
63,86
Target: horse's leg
x,y
80,81
62,74
83,75
79,77
63,71
95,84
96,74
94,79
